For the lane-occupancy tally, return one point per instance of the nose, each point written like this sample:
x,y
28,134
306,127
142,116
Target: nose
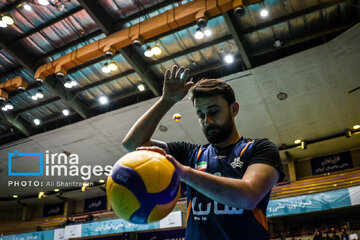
x,y
208,120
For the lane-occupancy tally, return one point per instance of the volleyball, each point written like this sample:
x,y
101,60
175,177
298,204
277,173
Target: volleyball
x,y
143,188
177,117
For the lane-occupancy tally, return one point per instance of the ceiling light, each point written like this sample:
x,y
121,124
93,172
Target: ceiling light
x,y
37,121
199,34
239,11
264,13
74,83
105,68
56,190
15,196
41,195
112,66
4,109
207,32
356,126
43,2
303,145
27,7
66,112
7,19
297,141
229,58
101,181
68,84
137,43
277,43
103,100
141,87
84,186
34,97
201,22
9,106
39,94
148,52
3,24
156,49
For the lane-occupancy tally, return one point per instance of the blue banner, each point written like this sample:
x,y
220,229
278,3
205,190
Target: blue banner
x,y
309,203
331,163
114,226
178,234
42,235
124,236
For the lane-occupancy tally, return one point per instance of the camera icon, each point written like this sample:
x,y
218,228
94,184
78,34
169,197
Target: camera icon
x,y
17,154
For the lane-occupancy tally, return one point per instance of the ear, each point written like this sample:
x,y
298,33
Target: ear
x,y
234,108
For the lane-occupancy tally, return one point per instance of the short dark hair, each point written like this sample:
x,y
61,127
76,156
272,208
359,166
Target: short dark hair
x,y
210,87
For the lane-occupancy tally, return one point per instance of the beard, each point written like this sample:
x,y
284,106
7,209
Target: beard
x,y
218,133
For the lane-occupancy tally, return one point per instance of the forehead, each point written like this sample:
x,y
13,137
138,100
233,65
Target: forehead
x,y
203,103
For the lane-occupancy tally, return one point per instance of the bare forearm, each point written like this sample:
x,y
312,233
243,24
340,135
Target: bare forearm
x,y
232,192
145,126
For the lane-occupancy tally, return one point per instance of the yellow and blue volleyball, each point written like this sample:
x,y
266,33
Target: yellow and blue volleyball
x,y
177,117
144,187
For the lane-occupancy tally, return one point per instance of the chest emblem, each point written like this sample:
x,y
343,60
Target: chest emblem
x,y
237,163
201,166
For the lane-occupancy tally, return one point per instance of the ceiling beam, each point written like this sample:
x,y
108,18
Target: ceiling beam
x,y
103,81
303,39
40,104
192,49
231,22
99,15
132,56
49,23
18,122
19,53
10,6
291,16
23,56
67,96
139,65
180,54
120,25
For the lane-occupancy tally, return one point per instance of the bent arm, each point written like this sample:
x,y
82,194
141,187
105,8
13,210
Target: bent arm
x,y
175,88
143,129
243,193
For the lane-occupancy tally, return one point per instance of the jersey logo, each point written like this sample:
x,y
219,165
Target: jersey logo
x,y
200,211
201,166
237,163
220,157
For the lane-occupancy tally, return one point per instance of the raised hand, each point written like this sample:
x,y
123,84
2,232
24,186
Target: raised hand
x,y
175,85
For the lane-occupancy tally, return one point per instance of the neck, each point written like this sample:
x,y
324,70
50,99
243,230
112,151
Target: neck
x,y
232,139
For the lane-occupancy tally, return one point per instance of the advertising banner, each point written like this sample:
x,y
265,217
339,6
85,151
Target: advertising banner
x,y
174,234
53,210
331,163
95,204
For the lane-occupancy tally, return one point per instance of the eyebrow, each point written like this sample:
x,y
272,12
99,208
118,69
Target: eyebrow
x,y
209,107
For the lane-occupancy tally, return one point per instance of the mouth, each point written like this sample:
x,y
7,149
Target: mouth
x,y
212,131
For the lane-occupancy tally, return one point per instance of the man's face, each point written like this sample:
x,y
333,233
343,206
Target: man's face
x,y
215,118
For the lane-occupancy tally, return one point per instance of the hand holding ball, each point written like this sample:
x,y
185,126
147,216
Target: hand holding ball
x,y
144,187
